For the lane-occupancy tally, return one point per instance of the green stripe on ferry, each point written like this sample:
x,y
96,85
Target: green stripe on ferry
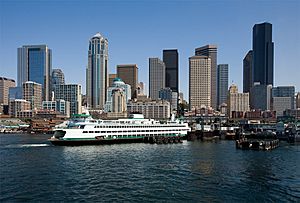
x,y
79,139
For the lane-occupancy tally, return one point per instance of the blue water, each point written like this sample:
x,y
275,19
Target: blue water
x,y
33,170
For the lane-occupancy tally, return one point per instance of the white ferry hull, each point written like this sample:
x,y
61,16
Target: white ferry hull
x,y
94,132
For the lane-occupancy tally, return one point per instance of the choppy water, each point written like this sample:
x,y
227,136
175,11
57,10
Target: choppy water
x,y
32,170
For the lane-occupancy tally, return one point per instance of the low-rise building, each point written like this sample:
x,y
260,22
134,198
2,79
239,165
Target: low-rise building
x,y
170,96
60,105
18,105
157,109
238,103
292,112
280,104
117,85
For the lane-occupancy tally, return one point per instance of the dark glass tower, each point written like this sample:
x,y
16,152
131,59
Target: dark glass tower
x,y
35,64
263,53
247,72
170,58
222,81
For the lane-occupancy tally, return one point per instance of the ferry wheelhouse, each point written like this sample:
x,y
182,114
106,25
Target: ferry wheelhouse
x,y
133,129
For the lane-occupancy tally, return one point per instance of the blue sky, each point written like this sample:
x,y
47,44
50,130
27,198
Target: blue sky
x,y
137,30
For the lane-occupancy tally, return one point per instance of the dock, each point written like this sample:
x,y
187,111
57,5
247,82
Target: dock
x,y
163,139
256,144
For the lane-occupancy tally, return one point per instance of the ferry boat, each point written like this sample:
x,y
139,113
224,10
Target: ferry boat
x,y
133,129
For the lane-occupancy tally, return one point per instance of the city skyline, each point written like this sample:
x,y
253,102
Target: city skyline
x,y
60,30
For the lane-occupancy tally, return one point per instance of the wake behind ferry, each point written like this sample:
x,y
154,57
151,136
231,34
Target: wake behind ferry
x,y
136,128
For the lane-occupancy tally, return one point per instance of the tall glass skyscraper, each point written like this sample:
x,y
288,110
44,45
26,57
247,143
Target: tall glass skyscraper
x,y
247,72
263,54
222,81
170,58
96,74
35,64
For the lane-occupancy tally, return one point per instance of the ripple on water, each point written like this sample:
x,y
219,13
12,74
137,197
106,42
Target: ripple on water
x,y
33,170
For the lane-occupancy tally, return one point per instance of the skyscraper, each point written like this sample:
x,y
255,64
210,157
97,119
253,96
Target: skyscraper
x,y
170,58
199,81
96,74
248,72
129,74
58,77
222,81
211,52
32,92
35,64
5,84
70,93
157,76
263,53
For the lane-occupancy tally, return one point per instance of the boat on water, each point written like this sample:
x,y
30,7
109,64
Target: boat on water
x,y
136,128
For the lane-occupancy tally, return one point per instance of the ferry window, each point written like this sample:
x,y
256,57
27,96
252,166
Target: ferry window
x,y
85,131
103,131
91,131
108,131
97,131
119,135
82,126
